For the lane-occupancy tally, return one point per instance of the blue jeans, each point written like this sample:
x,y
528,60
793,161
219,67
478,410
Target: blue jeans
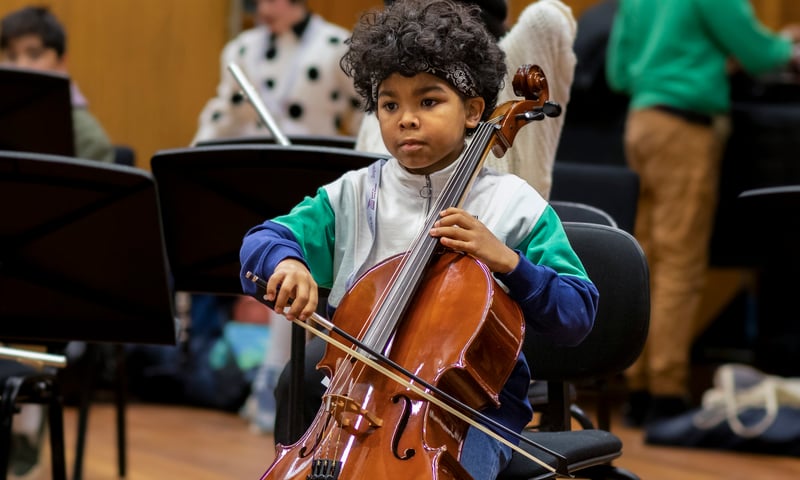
x,y
483,456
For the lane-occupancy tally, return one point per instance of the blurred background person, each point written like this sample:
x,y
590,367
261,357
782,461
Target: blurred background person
x,y
672,59
292,59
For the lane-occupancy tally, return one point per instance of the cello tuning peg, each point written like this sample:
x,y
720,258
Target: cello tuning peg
x,y
532,115
551,109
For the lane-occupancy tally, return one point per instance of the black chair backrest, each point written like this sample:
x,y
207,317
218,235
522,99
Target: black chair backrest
x,y
580,212
617,266
611,188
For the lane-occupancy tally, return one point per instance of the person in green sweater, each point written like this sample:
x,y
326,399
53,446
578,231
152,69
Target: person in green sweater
x,y
34,39
673,60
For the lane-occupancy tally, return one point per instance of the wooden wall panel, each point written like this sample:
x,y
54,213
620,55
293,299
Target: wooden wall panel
x,y
148,66
343,13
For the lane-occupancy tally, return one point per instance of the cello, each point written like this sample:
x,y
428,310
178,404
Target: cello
x,y
377,417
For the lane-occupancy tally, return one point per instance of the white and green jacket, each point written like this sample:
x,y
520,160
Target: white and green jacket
x,y
367,215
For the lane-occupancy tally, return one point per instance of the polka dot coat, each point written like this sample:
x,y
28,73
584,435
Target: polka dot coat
x,y
298,78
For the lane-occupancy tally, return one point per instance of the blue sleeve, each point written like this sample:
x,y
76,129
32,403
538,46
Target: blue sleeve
x,y
265,246
556,306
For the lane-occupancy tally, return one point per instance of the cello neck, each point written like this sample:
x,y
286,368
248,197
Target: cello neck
x,y
412,269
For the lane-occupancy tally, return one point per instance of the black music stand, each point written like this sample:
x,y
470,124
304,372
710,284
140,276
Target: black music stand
x,y
770,229
81,257
211,196
81,253
35,112
333,141
773,222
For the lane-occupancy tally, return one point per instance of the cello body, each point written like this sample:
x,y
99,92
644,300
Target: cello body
x,y
461,333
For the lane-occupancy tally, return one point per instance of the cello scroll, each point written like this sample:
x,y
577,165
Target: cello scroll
x,y
530,83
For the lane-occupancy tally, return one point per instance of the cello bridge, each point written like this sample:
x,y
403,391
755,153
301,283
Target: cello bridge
x,y
349,415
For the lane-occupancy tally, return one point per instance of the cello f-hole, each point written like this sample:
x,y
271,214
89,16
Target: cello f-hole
x,y
305,450
401,427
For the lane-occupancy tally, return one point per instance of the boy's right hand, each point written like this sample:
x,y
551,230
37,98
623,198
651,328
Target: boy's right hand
x,y
291,285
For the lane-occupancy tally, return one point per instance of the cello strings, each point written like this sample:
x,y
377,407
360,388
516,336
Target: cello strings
x,y
394,298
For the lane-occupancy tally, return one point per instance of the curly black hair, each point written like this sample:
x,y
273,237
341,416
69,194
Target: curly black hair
x,y
33,21
413,36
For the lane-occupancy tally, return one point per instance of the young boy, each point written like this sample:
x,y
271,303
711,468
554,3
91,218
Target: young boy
x,y
431,72
543,35
33,38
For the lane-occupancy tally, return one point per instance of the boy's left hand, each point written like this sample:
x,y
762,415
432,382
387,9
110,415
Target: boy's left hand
x,y
458,230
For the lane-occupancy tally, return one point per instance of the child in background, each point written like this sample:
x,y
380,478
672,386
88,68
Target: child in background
x,y
33,38
431,72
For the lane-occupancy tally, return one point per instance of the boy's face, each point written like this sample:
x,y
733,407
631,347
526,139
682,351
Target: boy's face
x,y
423,120
28,51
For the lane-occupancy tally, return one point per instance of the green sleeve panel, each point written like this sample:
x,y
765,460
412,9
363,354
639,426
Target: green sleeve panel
x,y
547,244
312,222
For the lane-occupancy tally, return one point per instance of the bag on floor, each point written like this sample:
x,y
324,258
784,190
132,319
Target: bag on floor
x,y
745,410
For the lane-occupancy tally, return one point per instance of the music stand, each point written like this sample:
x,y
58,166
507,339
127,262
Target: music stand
x,y
227,190
35,112
770,218
81,256
775,210
81,253
334,141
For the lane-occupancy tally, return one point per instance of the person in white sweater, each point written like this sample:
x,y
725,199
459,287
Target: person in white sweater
x,y
543,36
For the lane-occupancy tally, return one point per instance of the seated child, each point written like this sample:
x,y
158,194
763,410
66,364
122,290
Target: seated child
x,y
431,72
33,38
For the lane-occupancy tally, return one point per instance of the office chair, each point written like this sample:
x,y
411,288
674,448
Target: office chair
x,y
581,212
613,189
537,392
617,266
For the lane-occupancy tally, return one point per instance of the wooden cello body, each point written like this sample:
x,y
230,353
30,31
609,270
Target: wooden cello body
x,y
369,427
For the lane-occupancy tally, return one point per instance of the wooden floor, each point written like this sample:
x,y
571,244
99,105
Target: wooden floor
x,y
175,442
